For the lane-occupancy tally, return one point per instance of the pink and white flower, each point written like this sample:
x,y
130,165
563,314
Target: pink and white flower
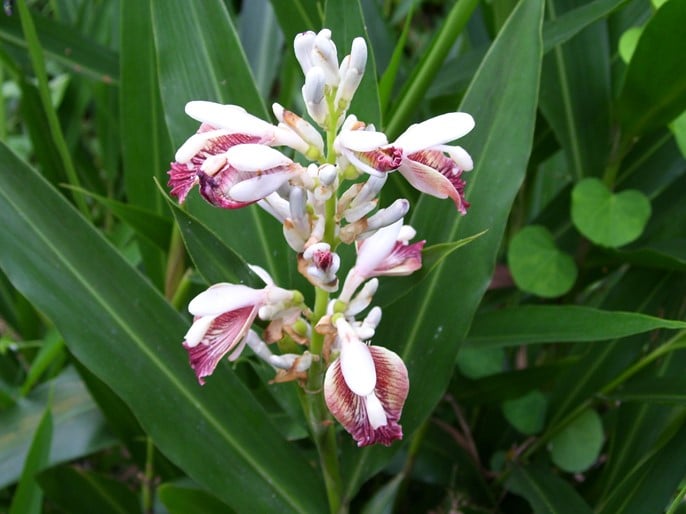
x,y
365,389
222,316
425,164
204,158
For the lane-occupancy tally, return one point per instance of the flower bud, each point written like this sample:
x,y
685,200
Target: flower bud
x,y
313,95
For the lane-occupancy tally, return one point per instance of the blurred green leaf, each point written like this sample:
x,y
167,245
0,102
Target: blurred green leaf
x,y
577,446
480,362
79,491
654,90
558,324
28,497
608,219
650,484
654,390
51,252
79,428
537,265
51,349
298,16
526,413
67,46
546,492
628,43
180,499
503,94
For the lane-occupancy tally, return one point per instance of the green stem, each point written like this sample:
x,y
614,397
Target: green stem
x,y
678,501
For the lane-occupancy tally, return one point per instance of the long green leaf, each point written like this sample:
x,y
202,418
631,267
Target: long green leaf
x,y
79,427
575,95
426,328
124,331
546,492
28,498
551,323
146,149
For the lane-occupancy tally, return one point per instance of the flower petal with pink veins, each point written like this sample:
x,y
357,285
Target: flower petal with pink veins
x,y
435,131
361,415
221,336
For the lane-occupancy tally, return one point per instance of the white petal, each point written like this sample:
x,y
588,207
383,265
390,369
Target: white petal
x,y
222,298
377,247
435,131
253,157
207,112
375,412
357,366
262,273
194,144
362,140
198,330
259,187
461,157
230,117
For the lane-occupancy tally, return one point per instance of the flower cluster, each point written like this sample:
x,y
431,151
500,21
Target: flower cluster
x,y
333,200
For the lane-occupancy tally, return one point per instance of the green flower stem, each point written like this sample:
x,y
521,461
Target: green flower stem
x,y
675,343
318,417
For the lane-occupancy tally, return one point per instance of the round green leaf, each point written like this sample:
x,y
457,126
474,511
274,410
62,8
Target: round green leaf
x,y
678,127
628,42
577,447
526,413
606,218
480,362
537,265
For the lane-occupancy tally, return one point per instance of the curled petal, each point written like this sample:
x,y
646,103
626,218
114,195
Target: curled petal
x,y
435,131
373,418
220,337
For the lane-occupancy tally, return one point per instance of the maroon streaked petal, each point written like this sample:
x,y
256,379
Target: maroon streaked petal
x,y
182,178
403,260
432,182
382,159
350,409
225,332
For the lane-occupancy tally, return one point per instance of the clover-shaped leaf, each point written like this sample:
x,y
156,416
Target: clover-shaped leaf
x,y
538,266
606,218
578,445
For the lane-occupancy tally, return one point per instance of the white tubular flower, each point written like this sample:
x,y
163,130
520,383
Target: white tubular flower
x,y
303,45
351,72
325,56
366,200
365,227
313,95
366,388
296,227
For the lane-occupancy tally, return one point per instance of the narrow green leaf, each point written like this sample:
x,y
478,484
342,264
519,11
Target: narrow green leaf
x,y
654,390
650,484
298,16
426,328
546,492
654,90
28,498
262,41
79,427
182,500
67,46
79,491
563,28
218,434
575,90
666,254
559,324
537,265
429,66
346,22
213,259
52,348
609,219
146,149
394,288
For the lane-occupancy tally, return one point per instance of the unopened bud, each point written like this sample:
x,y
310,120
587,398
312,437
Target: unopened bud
x,y
313,94
325,56
303,45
